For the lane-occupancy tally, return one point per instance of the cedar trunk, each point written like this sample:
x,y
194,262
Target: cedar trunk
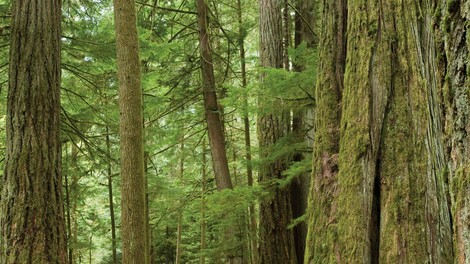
x,y
133,215
276,240
31,214
382,198
455,31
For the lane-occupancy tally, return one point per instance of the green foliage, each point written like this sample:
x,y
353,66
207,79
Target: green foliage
x,y
173,120
227,212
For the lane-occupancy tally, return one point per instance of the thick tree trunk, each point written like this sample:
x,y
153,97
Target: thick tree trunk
x,y
456,33
32,214
214,123
133,215
276,240
321,245
389,198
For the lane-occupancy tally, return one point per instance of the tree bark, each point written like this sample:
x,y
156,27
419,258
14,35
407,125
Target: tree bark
x,y
276,240
212,111
456,41
388,185
321,245
133,215
31,212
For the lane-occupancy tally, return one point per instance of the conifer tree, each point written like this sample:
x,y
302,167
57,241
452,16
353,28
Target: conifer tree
x,y
31,210
276,240
133,205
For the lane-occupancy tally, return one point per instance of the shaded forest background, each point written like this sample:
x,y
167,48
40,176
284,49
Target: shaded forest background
x,y
375,94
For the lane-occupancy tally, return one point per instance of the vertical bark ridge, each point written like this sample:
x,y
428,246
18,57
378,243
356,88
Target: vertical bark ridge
x,y
133,205
31,211
322,235
456,30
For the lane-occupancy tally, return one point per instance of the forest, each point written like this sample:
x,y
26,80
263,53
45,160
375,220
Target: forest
x,y
234,131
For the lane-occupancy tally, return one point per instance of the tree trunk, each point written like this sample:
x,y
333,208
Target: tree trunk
x,y
68,205
387,194
320,245
180,214
31,211
111,197
133,216
247,135
276,240
302,125
214,124
202,259
456,33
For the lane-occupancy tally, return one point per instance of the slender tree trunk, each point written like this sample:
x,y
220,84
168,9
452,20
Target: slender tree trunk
x,y
68,205
110,197
214,123
287,35
74,197
31,209
180,214
302,126
133,216
246,123
276,240
203,203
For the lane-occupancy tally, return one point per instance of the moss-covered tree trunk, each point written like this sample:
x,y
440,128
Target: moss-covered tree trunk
x,y
31,211
321,244
133,205
387,200
276,240
455,40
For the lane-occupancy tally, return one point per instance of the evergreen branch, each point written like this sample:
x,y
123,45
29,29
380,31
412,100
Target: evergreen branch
x,y
181,30
177,143
308,94
167,8
88,42
303,19
171,110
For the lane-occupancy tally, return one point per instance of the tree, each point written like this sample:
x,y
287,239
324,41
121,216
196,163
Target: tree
x,y
133,216
380,195
247,134
302,122
322,208
454,49
276,240
212,111
31,214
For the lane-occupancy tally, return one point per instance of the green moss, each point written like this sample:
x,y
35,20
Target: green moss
x,y
437,16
